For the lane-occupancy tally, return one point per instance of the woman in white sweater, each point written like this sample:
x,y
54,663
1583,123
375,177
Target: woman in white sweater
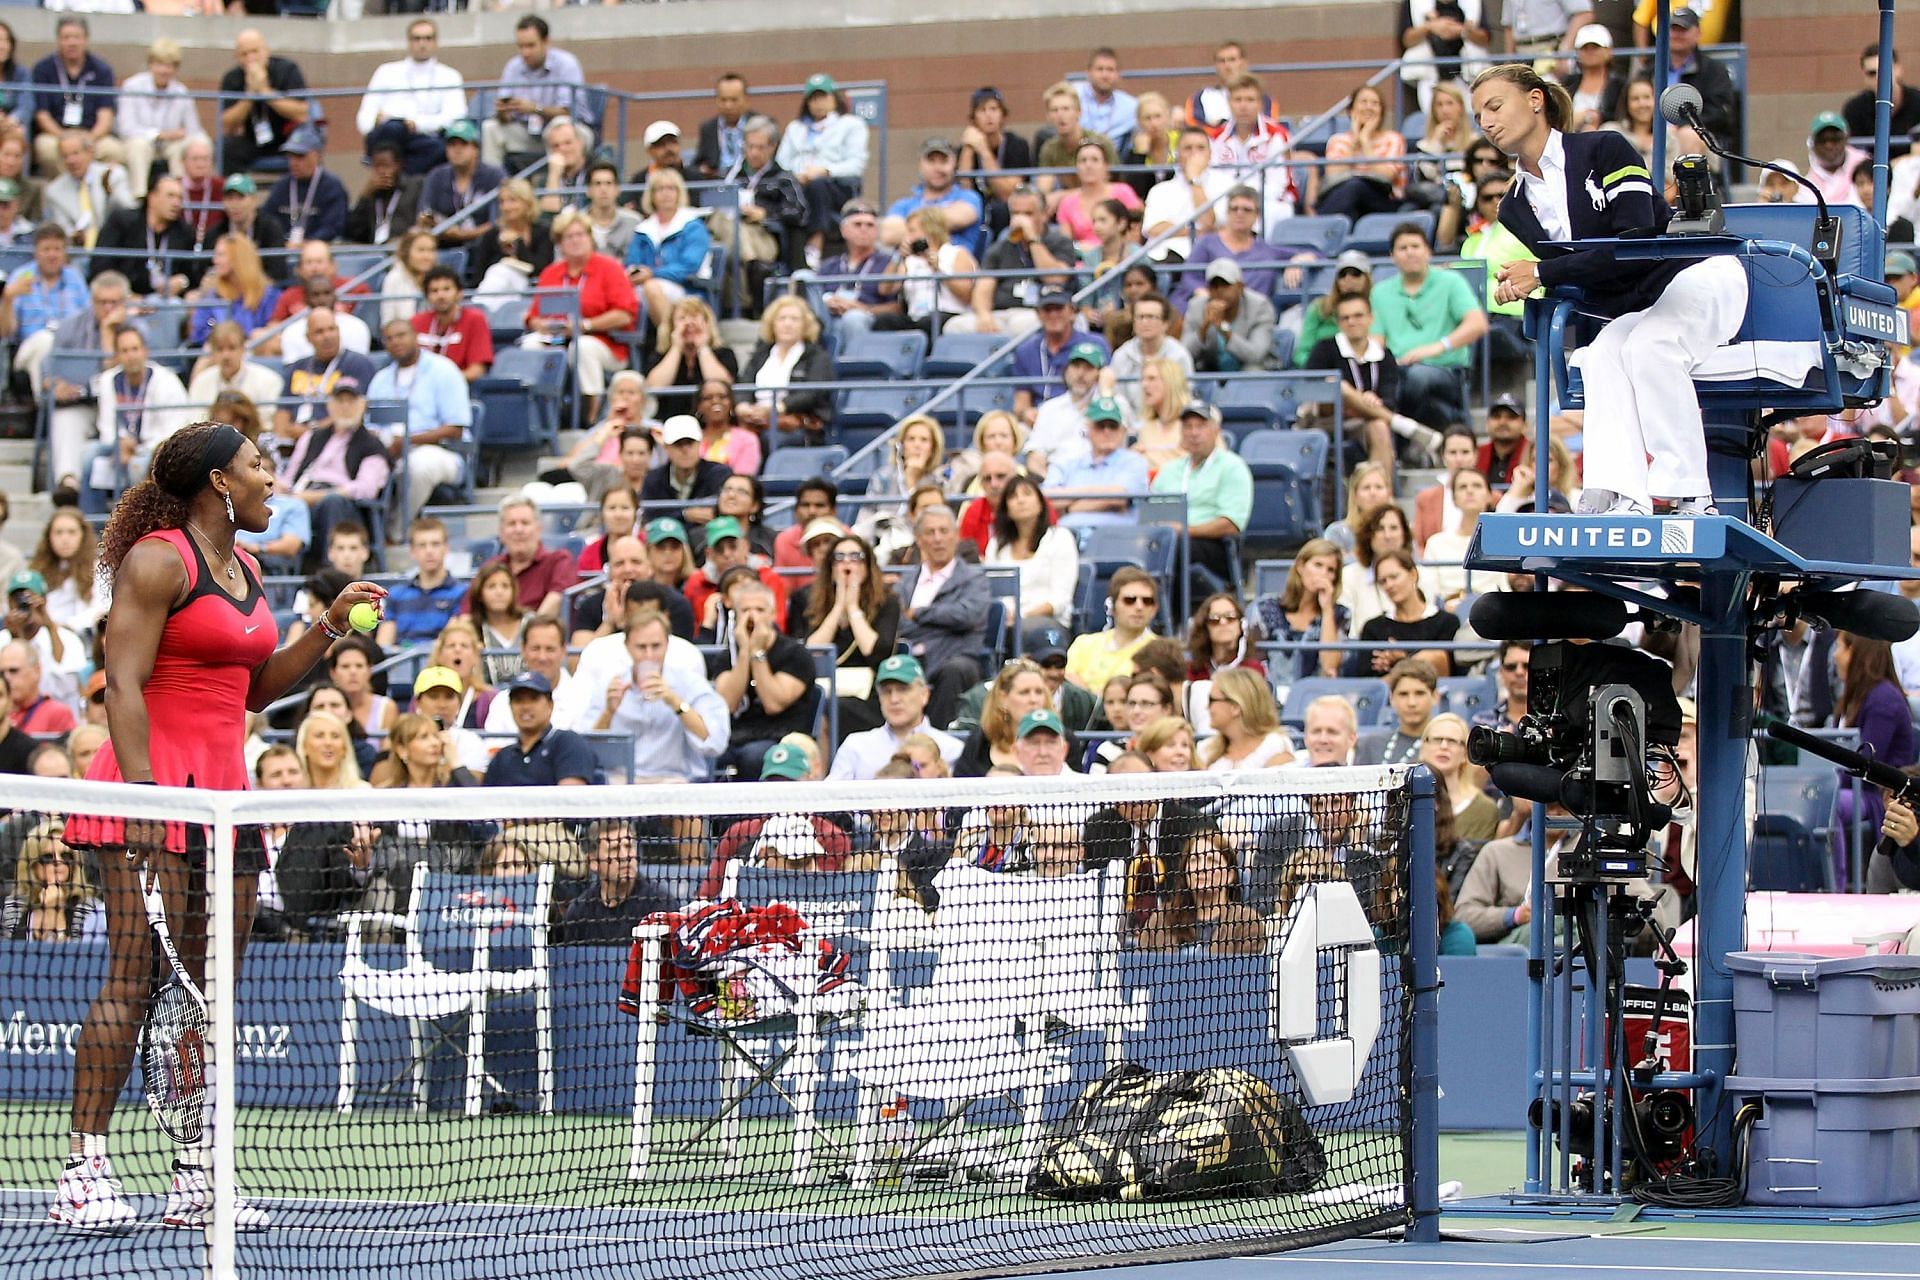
x,y
1024,535
825,150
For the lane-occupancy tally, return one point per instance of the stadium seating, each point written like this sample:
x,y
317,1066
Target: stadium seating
x,y
1325,236
882,356
785,468
1288,468
1373,232
1366,694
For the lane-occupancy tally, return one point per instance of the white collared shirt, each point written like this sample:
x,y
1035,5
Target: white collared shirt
x,y
1548,192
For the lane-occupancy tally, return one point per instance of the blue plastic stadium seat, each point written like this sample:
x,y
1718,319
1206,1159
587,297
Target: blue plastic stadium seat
x,y
1373,232
1288,468
1367,695
1324,235
956,353
784,469
881,355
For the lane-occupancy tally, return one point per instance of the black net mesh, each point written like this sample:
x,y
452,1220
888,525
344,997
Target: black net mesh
x,y
953,1028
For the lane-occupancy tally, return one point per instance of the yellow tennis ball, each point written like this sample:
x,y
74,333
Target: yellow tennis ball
x,y
363,616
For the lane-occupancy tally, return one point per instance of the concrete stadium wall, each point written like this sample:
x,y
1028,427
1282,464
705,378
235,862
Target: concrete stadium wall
x,y
1804,52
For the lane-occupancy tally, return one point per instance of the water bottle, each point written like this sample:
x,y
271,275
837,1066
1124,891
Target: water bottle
x,y
892,1153
900,1137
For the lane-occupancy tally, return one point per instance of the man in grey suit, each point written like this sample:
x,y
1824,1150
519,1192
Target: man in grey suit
x,y
86,191
947,601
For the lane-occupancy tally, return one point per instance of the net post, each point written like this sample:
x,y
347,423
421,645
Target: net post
x,y
226,1044
1423,1163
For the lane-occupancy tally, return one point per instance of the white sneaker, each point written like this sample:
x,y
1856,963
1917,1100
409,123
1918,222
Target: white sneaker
x,y
190,1199
89,1198
1605,502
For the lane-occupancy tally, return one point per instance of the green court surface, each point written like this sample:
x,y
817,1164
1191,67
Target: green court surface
x,y
578,1161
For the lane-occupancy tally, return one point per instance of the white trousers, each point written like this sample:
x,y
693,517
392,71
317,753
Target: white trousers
x,y
1639,385
31,354
428,465
75,429
1011,321
595,360
140,153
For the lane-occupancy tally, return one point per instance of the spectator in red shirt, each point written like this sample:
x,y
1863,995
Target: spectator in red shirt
x,y
795,842
543,573
446,328
316,259
33,711
1507,446
727,548
607,304
817,498
996,470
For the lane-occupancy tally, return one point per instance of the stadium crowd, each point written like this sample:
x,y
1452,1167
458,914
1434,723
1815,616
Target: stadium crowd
x,y
677,630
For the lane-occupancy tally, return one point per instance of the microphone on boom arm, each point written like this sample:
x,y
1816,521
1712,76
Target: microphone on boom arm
x,y
1680,104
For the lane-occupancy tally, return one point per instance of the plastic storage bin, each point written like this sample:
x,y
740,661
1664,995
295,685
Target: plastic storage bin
x,y
1814,1017
1832,1143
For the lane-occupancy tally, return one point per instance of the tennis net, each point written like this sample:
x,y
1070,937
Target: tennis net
x,y
900,1028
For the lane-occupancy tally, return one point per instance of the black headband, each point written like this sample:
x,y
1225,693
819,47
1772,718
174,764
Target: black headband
x,y
216,451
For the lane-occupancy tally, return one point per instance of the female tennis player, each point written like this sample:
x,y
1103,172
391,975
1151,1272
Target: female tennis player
x,y
189,651
1668,314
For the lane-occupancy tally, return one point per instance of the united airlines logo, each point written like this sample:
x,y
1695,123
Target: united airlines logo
x,y
1676,537
1561,536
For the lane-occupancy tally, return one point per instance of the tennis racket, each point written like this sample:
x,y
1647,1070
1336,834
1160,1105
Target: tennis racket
x,y
173,1053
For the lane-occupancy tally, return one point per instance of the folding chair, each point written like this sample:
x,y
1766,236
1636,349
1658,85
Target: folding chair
x,y
453,926
755,1052
1020,966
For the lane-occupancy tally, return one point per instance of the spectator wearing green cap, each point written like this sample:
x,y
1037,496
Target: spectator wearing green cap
x,y
1040,744
1042,358
727,549
16,232
902,692
410,101
457,183
1831,158
825,149
1060,427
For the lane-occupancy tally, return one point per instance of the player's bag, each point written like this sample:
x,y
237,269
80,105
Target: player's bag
x,y
1137,1134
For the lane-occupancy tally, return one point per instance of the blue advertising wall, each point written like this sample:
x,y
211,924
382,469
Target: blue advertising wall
x,y
1201,1011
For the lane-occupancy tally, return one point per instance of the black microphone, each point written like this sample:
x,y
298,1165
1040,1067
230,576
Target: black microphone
x,y
1549,785
1681,103
1868,770
1541,615
1877,615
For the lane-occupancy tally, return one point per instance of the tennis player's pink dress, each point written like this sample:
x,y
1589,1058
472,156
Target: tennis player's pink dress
x,y
196,695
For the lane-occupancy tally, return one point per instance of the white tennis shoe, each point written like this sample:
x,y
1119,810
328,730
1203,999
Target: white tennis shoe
x,y
88,1197
190,1200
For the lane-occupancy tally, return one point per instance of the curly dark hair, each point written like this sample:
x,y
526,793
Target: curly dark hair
x,y
148,507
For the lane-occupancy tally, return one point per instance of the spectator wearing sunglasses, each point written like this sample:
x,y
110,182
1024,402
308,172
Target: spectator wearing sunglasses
x,y
1133,598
